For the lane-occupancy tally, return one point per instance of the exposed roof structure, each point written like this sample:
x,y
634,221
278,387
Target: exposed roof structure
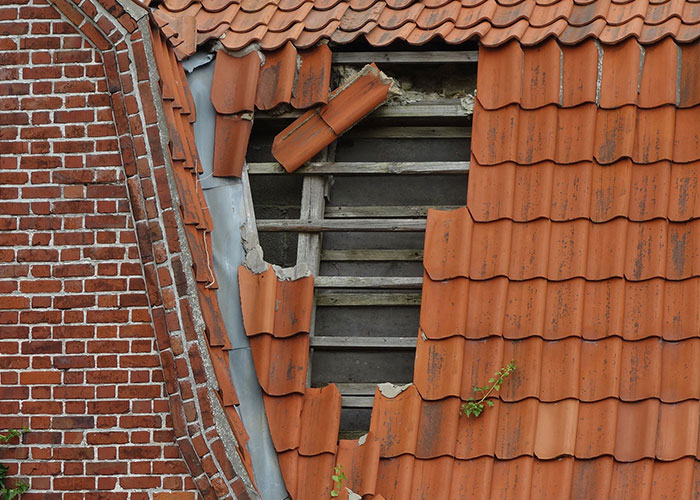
x,y
578,255
271,23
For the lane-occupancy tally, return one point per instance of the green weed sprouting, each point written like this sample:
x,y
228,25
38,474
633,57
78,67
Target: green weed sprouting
x,y
338,477
5,492
472,407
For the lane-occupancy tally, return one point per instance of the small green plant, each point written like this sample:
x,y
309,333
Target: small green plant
x,y
473,407
338,477
5,492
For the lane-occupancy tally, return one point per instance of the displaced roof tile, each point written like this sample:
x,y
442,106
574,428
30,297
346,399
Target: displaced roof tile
x,y
230,144
281,363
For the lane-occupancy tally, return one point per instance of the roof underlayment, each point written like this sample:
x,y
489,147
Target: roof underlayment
x,y
578,255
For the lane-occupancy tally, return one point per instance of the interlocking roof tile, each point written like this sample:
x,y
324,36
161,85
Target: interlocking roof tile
x,y
576,255
381,22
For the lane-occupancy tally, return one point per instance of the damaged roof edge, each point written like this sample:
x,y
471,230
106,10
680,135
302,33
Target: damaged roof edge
x,y
225,198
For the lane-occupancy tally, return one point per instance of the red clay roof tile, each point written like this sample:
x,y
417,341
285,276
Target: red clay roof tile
x,y
313,80
282,20
391,19
280,308
284,418
320,417
359,460
274,40
235,83
276,80
281,363
230,144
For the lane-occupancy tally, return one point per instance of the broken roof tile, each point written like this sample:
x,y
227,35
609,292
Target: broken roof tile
x,y
313,131
359,460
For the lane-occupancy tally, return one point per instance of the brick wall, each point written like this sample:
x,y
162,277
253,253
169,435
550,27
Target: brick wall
x,y
79,363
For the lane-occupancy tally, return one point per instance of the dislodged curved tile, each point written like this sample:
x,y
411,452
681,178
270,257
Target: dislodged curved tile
x,y
231,136
313,78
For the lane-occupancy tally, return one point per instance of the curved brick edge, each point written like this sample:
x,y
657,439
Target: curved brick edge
x,y
121,34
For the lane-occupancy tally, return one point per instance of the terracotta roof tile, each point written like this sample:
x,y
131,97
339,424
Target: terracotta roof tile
x,y
314,130
283,415
320,417
313,78
281,363
282,19
276,80
273,40
359,460
279,308
230,144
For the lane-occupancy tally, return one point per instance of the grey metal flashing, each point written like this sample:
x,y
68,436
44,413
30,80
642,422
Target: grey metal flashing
x,y
225,199
221,422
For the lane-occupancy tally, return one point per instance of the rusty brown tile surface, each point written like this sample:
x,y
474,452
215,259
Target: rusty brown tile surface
x,y
495,22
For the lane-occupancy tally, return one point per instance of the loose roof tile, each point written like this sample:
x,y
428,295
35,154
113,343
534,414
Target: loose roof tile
x,y
313,131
